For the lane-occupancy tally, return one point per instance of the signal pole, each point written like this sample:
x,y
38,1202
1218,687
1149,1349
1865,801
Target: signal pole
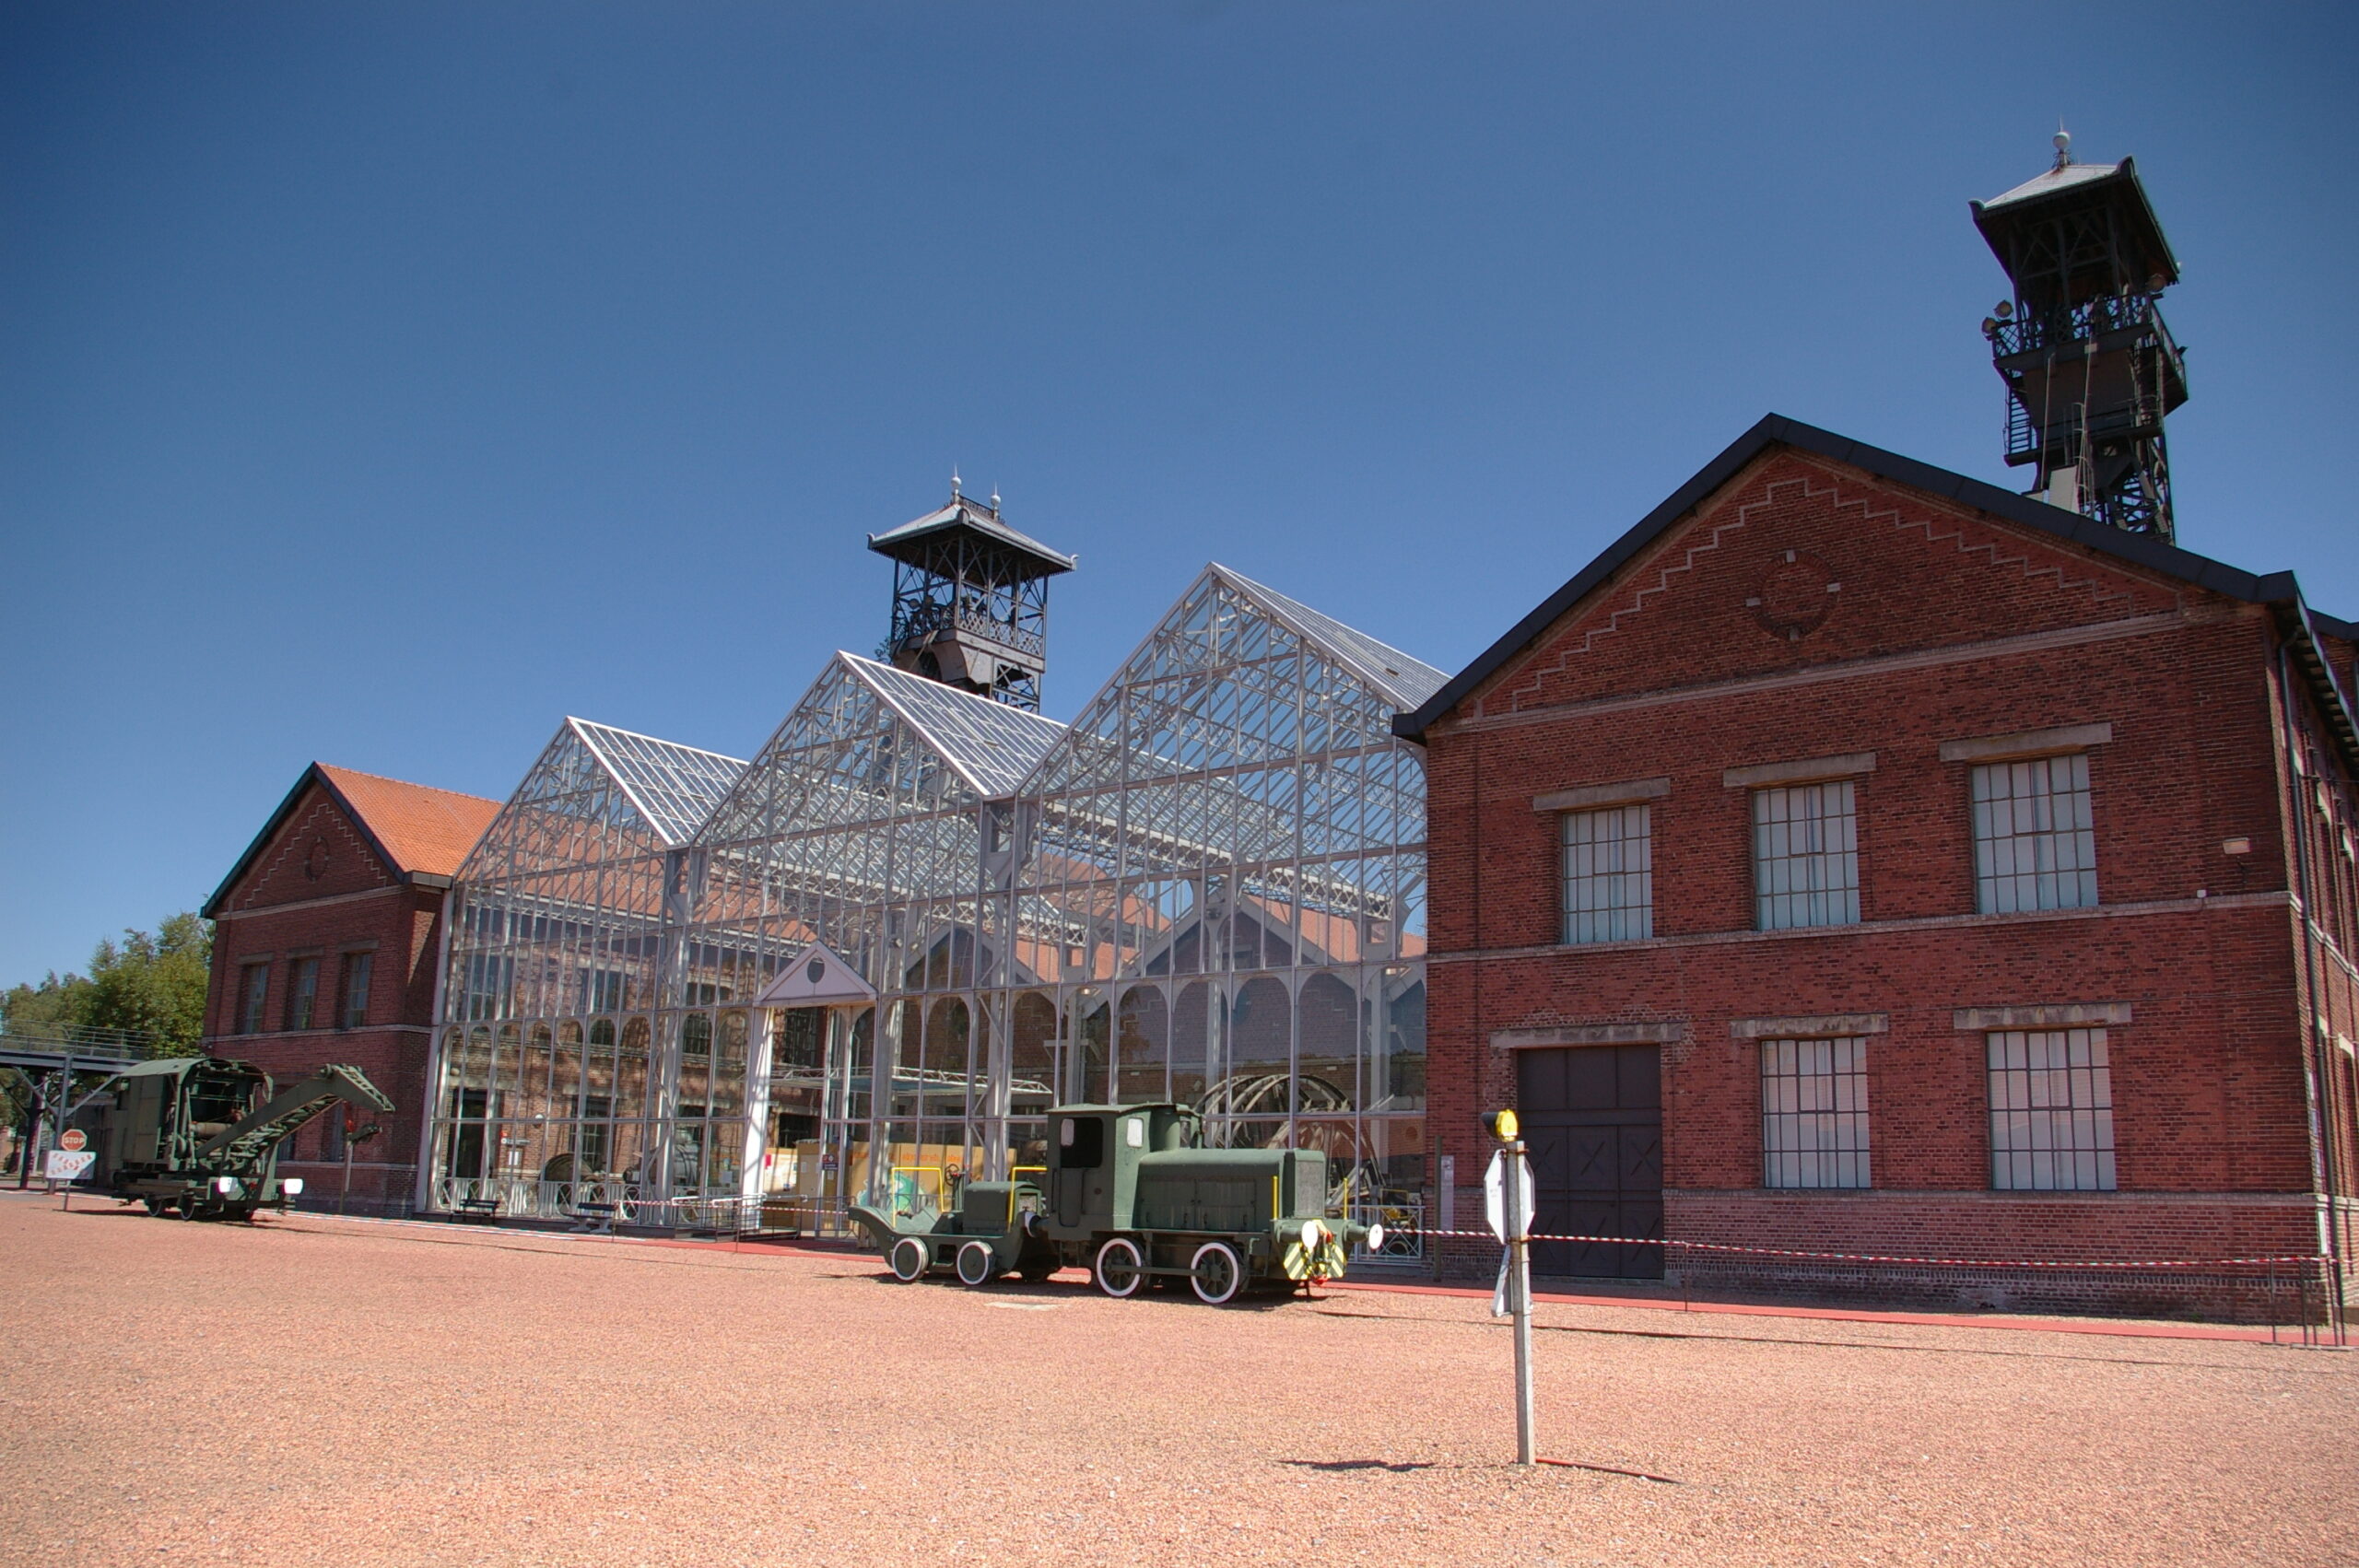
x,y
1512,1221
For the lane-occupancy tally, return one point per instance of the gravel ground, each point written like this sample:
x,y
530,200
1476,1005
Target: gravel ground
x,y
311,1391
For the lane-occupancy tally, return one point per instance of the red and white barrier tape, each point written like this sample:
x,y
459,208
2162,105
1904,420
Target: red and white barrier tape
x,y
2289,1258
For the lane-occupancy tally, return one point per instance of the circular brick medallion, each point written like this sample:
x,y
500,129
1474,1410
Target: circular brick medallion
x,y
1797,596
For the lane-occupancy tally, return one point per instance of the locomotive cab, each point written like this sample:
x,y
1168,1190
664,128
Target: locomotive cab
x,y
1094,1159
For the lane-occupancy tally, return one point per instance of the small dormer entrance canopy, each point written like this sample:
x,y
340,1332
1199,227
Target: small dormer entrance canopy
x,y
817,977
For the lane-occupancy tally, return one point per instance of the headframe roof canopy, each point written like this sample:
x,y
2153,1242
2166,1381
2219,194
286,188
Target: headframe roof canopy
x,y
915,543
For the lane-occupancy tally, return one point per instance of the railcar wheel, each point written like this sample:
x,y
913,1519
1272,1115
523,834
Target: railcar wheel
x,y
156,1207
977,1265
908,1259
1120,1270
1216,1273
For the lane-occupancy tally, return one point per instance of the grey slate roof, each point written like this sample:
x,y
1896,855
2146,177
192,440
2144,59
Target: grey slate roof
x,y
963,512
2053,180
2278,589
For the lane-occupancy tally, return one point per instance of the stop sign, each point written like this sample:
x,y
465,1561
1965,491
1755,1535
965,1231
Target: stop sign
x,y
72,1140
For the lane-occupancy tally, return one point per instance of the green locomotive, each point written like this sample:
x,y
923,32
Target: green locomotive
x,y
1133,1195
199,1136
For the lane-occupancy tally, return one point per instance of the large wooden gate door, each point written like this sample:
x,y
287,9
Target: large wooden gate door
x,y
1592,1116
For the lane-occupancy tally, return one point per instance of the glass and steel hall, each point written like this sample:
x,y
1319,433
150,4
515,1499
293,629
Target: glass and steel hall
x,y
867,961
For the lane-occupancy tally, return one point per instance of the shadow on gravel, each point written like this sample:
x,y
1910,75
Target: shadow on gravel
x,y
1333,1465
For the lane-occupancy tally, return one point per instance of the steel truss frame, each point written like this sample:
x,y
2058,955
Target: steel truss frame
x,y
1210,887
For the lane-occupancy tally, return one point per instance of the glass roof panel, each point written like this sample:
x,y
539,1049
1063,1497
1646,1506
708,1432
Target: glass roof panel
x,y
996,746
1408,681
675,786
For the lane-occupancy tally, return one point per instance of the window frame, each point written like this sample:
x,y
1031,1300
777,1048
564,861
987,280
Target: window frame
x,y
2101,1152
1982,807
1618,880
352,990
253,1001
1760,829
1837,1155
303,992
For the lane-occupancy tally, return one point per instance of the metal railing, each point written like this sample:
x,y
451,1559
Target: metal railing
x,y
926,620
2079,323
1403,1220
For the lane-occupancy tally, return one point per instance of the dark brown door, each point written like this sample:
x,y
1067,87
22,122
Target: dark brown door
x,y
1594,1119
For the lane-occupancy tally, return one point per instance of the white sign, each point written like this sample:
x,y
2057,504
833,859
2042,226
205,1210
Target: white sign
x,y
1494,1196
67,1164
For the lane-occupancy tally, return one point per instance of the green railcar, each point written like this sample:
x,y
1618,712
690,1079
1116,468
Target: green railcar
x,y
1131,1194
199,1136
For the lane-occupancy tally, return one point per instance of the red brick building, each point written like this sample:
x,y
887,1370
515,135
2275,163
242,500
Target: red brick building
x,y
326,944
1860,858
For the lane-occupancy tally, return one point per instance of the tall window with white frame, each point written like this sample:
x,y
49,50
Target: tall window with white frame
x,y
1814,1112
302,992
2035,845
255,990
354,996
2051,1111
1805,856
1609,881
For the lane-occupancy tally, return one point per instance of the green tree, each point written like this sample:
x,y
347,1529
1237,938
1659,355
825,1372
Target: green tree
x,y
152,983
58,1000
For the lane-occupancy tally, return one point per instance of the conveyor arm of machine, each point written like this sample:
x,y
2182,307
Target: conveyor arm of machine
x,y
248,1140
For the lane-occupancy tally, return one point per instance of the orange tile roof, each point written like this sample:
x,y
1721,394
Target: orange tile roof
x,y
424,830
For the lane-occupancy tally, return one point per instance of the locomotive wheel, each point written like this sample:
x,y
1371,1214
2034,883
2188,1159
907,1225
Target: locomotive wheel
x,y
1120,1270
156,1207
908,1259
1216,1273
975,1264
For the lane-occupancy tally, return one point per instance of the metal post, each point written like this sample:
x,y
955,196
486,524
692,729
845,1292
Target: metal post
x,y
342,1197
31,1133
1519,1301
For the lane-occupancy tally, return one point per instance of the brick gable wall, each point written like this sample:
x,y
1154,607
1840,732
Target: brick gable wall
x,y
280,911
1946,626
1800,563
317,853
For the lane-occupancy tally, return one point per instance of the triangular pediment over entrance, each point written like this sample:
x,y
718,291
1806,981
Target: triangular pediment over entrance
x,y
817,977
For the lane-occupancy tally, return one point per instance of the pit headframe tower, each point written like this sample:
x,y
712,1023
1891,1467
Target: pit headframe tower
x,y
970,600
2091,370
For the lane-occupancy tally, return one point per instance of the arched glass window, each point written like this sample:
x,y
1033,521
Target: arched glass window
x,y
1399,1072
1256,1096
1327,1043
540,1062
944,1060
565,1071
729,1067
1142,1047
630,1071
1195,1022
1087,1029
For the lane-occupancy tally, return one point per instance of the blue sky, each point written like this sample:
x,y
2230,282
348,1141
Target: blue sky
x,y
379,385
